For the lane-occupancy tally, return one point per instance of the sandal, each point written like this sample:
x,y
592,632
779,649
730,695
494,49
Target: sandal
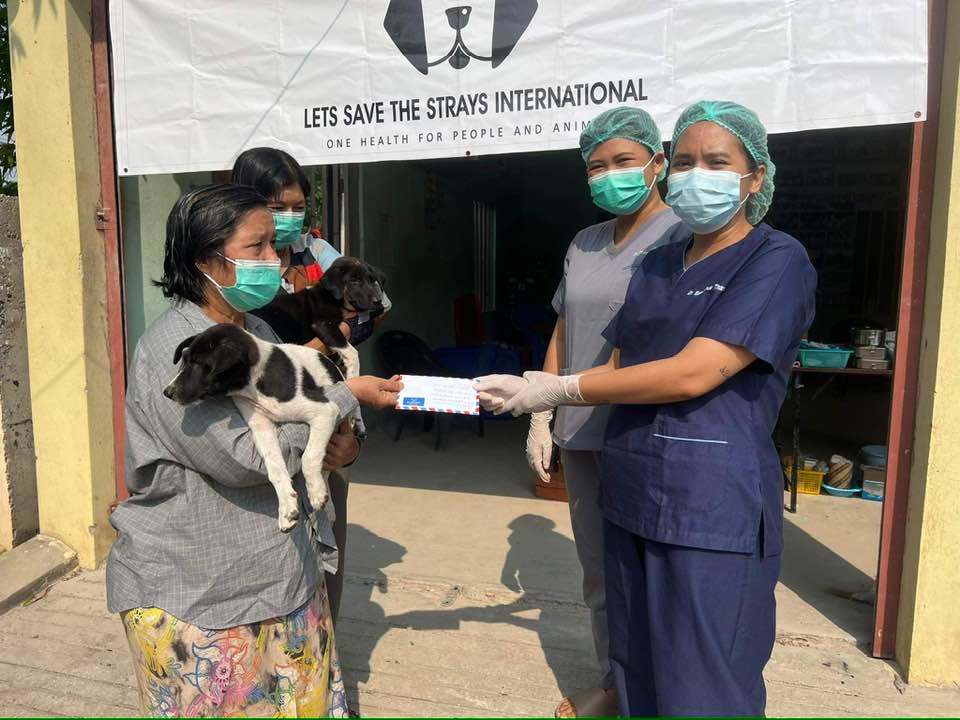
x,y
590,702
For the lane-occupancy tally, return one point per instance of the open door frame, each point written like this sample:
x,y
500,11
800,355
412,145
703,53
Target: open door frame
x,y
108,222
909,329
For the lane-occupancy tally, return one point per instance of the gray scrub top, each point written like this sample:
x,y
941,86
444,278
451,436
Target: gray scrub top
x,y
595,279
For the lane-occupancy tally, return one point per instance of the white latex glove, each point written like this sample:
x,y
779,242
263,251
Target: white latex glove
x,y
540,444
494,390
544,391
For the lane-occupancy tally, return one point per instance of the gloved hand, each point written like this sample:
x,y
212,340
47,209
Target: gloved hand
x,y
534,392
544,391
494,390
540,444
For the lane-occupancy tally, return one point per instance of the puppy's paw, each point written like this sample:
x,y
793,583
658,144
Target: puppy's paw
x,y
318,497
289,514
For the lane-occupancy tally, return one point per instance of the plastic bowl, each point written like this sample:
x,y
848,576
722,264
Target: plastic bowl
x,y
841,492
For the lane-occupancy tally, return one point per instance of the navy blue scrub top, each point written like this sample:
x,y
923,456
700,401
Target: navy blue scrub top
x,y
705,473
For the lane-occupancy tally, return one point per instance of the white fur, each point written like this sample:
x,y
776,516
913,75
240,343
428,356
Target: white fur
x,y
262,412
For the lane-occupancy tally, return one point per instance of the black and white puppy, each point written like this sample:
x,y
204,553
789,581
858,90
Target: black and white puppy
x,y
269,384
348,284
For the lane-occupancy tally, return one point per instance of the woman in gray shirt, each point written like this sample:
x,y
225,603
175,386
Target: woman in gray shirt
x,y
224,614
624,158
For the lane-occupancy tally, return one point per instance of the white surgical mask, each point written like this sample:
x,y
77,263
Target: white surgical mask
x,y
705,200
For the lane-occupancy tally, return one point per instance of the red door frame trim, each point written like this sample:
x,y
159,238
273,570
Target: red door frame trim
x,y
108,223
909,330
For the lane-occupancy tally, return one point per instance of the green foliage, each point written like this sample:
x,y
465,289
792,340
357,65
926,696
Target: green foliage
x,y
8,148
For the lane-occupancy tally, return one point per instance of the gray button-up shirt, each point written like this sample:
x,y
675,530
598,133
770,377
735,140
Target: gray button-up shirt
x,y
198,536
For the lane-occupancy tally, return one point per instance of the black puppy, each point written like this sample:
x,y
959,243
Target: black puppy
x,y
348,285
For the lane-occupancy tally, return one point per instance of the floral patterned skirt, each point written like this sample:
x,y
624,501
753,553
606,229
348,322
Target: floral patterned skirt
x,y
285,667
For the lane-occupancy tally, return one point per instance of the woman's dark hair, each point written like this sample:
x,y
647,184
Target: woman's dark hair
x,y
269,170
199,224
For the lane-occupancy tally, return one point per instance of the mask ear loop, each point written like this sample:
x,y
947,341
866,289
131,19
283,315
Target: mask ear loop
x,y
217,285
749,193
643,169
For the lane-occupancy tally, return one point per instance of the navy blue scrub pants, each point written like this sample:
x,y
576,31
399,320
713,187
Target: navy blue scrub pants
x,y
690,630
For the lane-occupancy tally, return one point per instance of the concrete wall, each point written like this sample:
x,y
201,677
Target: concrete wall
x,y
19,520
928,632
65,271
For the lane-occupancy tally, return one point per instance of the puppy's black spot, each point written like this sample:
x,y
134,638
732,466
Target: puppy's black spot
x,y
312,391
180,650
279,378
336,370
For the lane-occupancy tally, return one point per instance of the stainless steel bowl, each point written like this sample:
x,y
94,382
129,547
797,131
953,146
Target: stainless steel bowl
x,y
867,337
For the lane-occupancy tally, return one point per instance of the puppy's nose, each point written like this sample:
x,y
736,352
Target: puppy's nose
x,y
168,392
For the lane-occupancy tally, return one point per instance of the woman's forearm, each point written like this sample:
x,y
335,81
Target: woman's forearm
x,y
702,366
612,364
661,381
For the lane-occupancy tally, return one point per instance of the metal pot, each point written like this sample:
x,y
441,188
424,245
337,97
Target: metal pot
x,y
867,337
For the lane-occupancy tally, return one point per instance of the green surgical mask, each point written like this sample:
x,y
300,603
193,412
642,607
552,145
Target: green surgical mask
x,y
256,284
620,192
289,227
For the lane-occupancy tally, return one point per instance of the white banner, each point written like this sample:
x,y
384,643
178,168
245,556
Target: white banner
x,y
342,81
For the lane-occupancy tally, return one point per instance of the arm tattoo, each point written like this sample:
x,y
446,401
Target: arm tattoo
x,y
726,373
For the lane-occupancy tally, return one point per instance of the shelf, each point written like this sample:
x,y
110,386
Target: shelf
x,y
842,371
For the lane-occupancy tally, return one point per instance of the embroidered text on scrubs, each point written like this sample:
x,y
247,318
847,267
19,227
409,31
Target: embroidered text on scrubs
x,y
716,287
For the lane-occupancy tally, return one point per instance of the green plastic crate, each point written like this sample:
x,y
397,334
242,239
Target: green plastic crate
x,y
834,358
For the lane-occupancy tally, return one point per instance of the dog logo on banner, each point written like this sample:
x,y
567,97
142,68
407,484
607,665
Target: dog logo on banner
x,y
404,24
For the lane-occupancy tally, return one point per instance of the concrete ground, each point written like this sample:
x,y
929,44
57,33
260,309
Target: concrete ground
x,y
461,599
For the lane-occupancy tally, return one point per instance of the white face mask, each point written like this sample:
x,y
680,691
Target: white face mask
x,y
705,200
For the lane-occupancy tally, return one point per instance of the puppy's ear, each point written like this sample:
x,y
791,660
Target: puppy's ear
x,y
333,278
236,347
225,356
333,287
178,353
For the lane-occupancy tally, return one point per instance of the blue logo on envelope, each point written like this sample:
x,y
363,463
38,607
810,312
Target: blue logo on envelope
x,y
414,402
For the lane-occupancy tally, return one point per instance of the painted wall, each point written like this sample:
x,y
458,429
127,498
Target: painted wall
x,y
64,271
145,202
928,633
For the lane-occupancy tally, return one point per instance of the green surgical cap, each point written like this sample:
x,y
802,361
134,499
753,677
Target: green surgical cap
x,y
629,123
746,126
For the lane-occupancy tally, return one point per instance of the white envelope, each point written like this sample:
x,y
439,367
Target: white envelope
x,y
438,394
